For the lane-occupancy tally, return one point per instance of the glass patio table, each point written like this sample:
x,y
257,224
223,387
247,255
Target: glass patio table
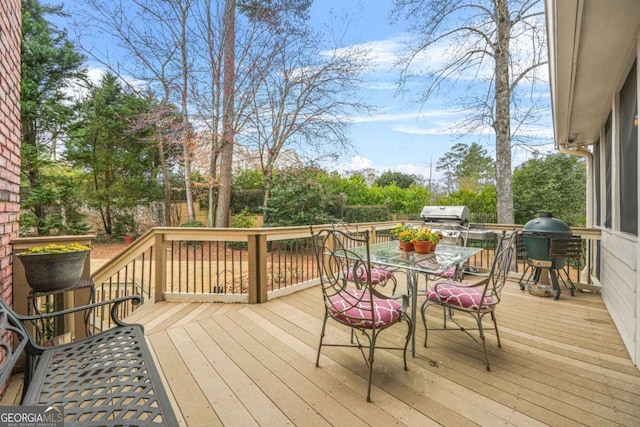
x,y
389,255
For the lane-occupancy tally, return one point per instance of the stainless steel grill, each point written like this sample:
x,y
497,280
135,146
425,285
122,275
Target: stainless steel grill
x,y
452,214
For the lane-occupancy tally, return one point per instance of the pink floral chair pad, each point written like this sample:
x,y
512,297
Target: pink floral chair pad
x,y
378,275
460,295
354,308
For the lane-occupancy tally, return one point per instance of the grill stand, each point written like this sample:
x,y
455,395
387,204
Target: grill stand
x,y
560,248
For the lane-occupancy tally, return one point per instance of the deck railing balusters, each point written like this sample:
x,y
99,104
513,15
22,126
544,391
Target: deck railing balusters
x,y
218,262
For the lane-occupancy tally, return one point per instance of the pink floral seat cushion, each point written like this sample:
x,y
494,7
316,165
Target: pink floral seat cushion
x,y
378,275
354,308
449,272
461,295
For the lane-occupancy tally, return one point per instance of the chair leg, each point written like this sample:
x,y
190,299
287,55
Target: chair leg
x,y
495,325
372,348
423,310
484,342
408,338
324,325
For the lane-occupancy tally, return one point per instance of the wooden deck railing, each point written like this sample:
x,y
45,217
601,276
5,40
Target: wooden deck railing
x,y
242,265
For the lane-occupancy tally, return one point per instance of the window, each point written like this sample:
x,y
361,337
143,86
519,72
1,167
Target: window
x,y
628,154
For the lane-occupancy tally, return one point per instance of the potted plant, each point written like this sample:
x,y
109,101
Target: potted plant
x,y
399,229
52,267
436,236
406,240
423,240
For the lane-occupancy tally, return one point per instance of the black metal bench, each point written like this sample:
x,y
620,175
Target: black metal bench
x,y
107,379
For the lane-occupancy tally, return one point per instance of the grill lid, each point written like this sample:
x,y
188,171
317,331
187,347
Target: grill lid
x,y
457,214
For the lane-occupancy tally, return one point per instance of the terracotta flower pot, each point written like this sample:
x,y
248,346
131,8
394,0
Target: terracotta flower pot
x,y
406,246
422,246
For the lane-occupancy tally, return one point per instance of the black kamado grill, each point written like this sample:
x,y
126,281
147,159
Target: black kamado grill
x,y
537,233
540,236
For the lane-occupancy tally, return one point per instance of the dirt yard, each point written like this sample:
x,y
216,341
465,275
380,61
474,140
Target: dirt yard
x,y
102,252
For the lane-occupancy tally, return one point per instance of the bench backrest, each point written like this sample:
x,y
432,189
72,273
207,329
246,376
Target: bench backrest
x,y
14,337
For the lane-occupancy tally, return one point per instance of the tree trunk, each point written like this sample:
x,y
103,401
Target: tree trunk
x,y
166,182
502,123
226,152
186,148
268,185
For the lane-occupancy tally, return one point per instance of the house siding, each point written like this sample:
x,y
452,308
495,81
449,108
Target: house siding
x,y
10,36
619,274
619,254
592,48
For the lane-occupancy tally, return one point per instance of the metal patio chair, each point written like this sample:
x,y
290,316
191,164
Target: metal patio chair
x,y
380,276
477,300
352,300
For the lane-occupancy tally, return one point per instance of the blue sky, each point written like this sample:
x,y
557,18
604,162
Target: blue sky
x,y
404,135
400,134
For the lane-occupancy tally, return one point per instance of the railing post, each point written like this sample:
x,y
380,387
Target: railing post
x,y
160,258
257,246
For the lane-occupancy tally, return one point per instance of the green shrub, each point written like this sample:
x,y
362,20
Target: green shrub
x,y
192,223
243,220
365,214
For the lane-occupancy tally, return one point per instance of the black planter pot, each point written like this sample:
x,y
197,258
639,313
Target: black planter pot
x,y
49,272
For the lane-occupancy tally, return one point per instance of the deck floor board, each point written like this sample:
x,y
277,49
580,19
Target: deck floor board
x,y
561,363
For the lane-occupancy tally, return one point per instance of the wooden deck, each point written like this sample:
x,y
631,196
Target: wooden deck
x,y
562,363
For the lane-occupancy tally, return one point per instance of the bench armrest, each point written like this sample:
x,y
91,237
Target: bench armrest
x,y
35,349
135,299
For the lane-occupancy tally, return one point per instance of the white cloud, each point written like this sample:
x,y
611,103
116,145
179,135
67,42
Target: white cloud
x,y
398,117
359,163
78,90
536,132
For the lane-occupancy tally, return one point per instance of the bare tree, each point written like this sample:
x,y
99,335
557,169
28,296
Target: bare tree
x,y
228,83
214,66
304,99
165,125
494,45
273,15
207,81
154,34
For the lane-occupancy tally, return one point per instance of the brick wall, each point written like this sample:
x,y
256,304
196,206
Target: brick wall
x,y
10,35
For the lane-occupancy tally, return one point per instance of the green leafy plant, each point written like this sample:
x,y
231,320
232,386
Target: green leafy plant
x,y
53,248
423,234
243,220
192,223
399,228
406,235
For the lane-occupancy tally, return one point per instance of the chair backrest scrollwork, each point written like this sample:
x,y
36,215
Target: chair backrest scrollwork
x,y
345,273
501,265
